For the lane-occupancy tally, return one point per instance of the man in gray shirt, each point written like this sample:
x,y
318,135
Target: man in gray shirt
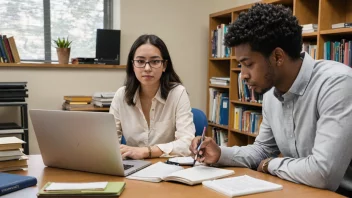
x,y
307,108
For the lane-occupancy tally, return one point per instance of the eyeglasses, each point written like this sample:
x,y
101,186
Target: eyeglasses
x,y
153,63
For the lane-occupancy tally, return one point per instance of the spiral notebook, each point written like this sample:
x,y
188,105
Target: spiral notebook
x,y
241,185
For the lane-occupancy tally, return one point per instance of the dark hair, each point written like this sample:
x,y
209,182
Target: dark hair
x,y
169,79
265,27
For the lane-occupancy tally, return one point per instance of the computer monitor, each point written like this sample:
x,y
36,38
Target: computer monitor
x,y
108,46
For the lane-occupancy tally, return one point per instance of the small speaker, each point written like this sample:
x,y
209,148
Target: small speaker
x,y
108,46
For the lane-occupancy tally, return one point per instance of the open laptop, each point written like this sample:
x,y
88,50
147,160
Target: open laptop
x,y
84,141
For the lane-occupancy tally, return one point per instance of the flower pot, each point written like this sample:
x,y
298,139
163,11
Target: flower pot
x,y
63,54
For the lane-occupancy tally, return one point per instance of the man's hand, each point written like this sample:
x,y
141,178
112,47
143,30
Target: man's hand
x,y
209,152
134,152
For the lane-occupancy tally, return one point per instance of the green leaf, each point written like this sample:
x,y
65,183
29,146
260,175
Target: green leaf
x,y
62,42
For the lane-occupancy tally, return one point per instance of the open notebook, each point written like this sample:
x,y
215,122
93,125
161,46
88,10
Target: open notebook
x,y
165,172
241,185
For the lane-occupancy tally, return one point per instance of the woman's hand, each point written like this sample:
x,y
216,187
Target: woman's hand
x,y
134,152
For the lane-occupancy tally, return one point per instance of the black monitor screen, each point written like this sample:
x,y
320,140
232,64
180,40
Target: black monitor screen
x,y
108,44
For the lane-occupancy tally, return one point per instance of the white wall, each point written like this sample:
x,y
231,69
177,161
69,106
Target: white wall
x,y
182,24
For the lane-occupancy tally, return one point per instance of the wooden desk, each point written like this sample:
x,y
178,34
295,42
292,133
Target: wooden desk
x,y
136,188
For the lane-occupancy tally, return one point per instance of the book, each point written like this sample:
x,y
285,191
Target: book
x,y
8,153
12,182
341,25
21,162
10,143
72,190
241,185
13,85
13,47
77,98
165,172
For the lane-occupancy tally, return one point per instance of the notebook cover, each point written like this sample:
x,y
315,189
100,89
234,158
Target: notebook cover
x,y
12,182
112,189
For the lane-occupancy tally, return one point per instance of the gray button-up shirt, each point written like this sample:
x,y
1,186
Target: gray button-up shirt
x,y
311,125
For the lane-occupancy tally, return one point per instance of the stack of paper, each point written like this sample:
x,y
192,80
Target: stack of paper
x,y
11,154
103,99
91,189
241,185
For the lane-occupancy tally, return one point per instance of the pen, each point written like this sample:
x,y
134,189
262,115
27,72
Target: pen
x,y
200,143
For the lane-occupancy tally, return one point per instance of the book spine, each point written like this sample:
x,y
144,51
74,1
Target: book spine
x,y
17,186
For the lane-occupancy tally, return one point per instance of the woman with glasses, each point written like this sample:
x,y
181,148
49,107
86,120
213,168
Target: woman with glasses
x,y
152,110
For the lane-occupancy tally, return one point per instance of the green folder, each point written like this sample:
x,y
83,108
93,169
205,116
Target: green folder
x,y
112,189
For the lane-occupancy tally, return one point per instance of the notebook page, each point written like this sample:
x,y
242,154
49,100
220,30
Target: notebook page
x,y
157,170
241,185
76,186
198,174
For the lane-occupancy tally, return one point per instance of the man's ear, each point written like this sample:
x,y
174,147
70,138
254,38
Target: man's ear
x,y
279,56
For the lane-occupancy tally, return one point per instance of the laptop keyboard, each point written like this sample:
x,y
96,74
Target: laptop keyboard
x,y
127,166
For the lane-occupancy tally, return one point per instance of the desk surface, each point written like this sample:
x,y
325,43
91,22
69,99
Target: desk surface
x,y
136,188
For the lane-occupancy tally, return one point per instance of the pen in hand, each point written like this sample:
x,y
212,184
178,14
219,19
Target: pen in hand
x,y
199,145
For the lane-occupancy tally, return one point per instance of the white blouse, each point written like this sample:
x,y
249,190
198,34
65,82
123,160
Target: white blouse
x,y
171,121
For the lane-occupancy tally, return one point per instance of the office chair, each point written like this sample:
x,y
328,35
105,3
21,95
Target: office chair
x,y
200,121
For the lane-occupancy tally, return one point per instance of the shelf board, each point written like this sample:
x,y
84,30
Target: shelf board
x,y
244,133
54,65
12,103
233,57
223,14
218,126
219,59
247,103
219,86
310,35
243,8
336,31
237,69
285,2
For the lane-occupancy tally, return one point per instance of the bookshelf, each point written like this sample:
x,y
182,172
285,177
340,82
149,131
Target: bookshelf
x,y
321,12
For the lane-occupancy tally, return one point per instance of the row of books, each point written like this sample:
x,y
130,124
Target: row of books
x,y
11,154
308,28
311,49
339,51
218,49
247,95
247,120
218,106
225,81
8,50
220,136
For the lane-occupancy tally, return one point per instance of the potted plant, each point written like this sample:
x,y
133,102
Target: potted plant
x,y
63,50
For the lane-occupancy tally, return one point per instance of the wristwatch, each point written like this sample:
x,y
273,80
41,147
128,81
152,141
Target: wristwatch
x,y
266,165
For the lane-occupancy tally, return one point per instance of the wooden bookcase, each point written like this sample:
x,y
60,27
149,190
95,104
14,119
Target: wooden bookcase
x,y
321,12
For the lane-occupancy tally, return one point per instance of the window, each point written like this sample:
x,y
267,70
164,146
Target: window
x,y
35,23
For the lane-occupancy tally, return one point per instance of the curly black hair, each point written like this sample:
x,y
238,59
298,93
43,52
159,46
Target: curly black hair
x,y
265,27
